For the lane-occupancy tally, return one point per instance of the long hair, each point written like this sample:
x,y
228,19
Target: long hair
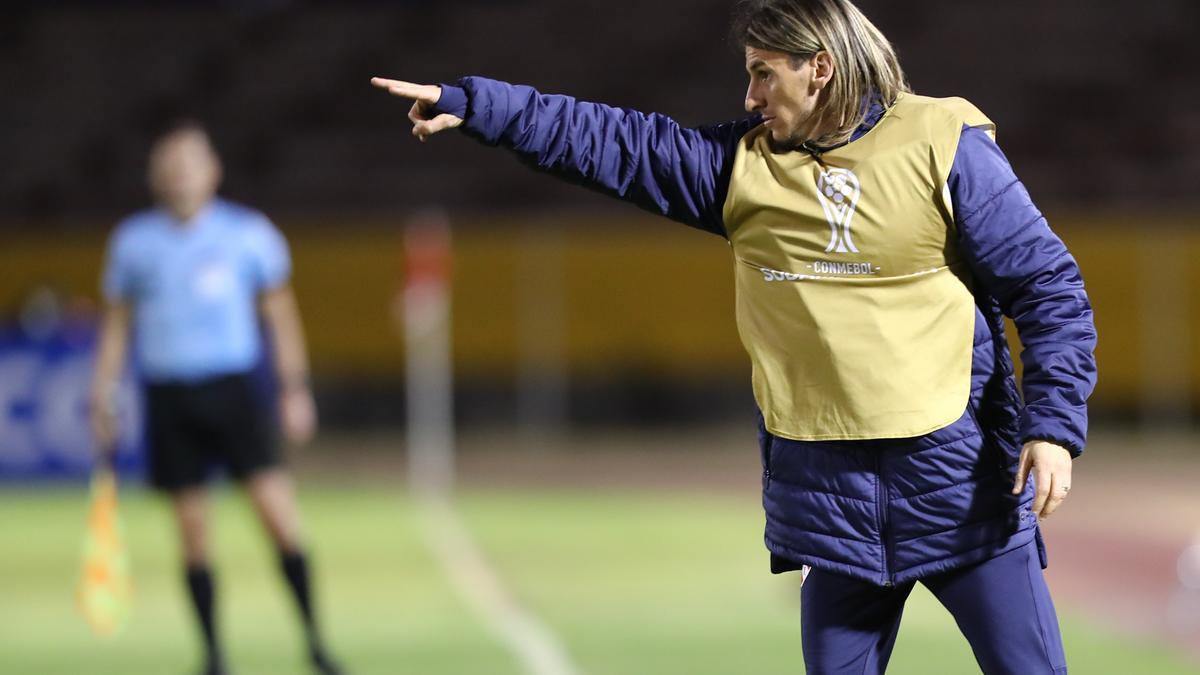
x,y
864,63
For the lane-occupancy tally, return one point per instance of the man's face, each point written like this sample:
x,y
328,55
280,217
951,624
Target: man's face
x,y
786,93
184,171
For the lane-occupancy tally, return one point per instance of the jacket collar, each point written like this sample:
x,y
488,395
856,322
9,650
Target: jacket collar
x,y
874,112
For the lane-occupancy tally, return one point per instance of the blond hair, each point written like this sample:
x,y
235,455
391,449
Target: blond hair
x,y
864,63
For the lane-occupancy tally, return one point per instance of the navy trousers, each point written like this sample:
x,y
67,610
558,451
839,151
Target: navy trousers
x,y
1002,606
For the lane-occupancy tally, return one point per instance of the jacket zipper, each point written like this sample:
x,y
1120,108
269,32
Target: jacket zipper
x,y
767,462
881,510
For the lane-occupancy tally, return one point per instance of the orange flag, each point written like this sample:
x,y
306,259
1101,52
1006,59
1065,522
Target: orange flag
x,y
104,593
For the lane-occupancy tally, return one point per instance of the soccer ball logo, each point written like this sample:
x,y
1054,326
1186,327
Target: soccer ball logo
x,y
838,191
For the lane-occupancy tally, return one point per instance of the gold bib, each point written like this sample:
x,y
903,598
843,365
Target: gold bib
x,y
852,298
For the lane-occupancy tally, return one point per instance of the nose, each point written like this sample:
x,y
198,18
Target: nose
x,y
753,102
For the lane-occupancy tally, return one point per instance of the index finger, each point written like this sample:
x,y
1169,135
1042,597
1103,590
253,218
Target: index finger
x,y
384,83
399,87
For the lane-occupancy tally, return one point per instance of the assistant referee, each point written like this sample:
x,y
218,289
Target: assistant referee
x,y
185,282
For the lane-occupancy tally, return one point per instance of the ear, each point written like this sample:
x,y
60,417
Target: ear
x,y
822,69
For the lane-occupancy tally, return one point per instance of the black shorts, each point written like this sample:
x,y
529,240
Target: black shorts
x,y
193,427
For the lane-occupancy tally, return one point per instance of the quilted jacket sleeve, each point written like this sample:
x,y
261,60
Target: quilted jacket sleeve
x,y
646,159
1025,266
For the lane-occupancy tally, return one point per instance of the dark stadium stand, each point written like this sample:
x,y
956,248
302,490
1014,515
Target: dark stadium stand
x,y
1096,104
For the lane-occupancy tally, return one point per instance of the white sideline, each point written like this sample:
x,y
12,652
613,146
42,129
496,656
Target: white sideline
x,y
539,651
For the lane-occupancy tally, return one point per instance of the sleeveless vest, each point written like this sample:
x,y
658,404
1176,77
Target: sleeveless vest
x,y
852,298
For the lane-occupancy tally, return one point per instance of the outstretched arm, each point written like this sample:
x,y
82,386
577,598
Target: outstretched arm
x,y
646,159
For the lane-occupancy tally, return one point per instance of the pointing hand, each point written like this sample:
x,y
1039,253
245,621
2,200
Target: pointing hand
x,y
424,97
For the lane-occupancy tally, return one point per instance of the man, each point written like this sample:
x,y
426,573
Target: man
x,y
189,280
878,239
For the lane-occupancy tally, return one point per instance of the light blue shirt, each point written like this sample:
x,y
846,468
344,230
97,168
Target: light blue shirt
x,y
193,288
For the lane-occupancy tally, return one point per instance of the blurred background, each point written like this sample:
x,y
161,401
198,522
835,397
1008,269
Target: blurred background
x,y
606,463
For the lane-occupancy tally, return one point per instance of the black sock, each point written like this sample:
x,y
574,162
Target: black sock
x,y
200,586
295,570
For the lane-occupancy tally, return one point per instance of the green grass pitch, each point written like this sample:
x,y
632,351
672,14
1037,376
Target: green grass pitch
x,y
633,582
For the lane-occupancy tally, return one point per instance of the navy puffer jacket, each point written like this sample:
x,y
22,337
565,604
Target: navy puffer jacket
x,y
890,510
